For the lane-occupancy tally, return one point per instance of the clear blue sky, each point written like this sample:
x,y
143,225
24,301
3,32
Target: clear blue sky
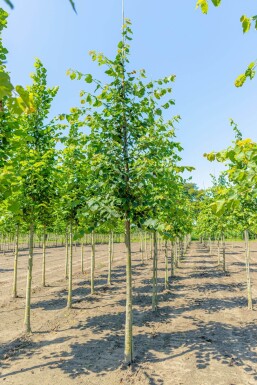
x,y
170,37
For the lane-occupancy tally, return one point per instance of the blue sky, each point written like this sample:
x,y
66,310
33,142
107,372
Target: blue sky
x,y
170,37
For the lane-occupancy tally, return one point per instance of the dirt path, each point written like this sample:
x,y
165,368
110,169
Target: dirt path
x,y
201,335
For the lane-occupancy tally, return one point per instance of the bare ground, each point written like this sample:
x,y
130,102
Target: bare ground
x,y
203,333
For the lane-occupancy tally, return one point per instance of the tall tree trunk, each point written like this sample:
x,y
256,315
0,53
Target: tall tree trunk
x,y
218,251
69,301
112,246
82,256
142,247
247,266
151,245
166,265
44,258
129,315
155,273
16,255
29,280
66,253
146,252
223,253
172,260
109,280
92,262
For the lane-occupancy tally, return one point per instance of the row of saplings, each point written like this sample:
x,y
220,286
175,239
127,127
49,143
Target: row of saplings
x,y
220,244
150,247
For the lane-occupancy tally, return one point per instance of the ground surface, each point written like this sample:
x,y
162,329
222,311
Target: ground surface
x,y
203,333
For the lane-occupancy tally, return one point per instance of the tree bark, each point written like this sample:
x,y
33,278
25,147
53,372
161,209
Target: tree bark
x,y
166,266
29,280
247,267
155,277
44,258
69,301
16,256
92,262
129,315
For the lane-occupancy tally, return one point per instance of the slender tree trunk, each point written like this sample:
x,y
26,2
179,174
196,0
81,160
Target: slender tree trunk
x,y
16,255
112,247
142,247
151,246
224,254
109,280
129,314
44,258
176,253
92,262
67,253
29,280
172,260
82,256
247,266
166,266
155,273
69,301
218,251
146,256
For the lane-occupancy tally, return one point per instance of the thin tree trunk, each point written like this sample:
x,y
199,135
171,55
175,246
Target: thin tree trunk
x,y
155,278
247,266
146,256
69,301
141,247
109,280
44,258
224,254
112,246
92,262
151,245
172,260
16,255
29,280
82,256
67,253
166,266
218,251
129,315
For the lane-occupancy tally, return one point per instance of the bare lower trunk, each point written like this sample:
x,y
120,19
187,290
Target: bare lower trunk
x,y
69,301
247,266
82,257
67,253
128,354
44,258
218,252
15,270
29,280
166,265
172,260
155,277
109,280
92,262
223,254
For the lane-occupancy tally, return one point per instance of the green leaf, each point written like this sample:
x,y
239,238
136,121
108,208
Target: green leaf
x,y
216,2
5,85
246,23
88,78
240,80
203,4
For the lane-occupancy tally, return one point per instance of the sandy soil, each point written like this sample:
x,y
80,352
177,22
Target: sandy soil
x,y
203,333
